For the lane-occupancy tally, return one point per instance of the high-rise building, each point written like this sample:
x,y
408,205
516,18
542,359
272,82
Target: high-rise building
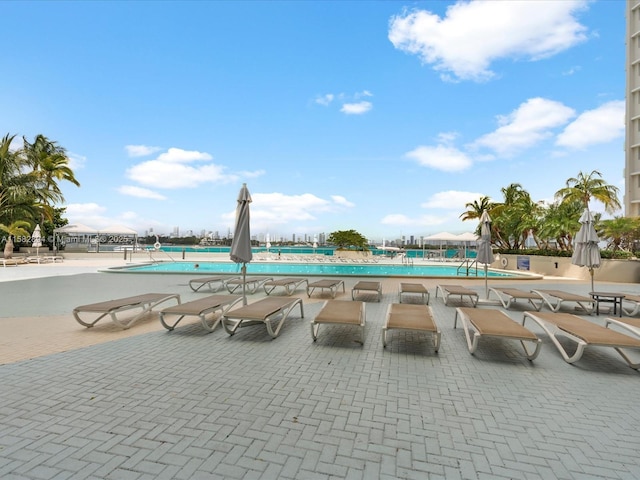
x,y
632,118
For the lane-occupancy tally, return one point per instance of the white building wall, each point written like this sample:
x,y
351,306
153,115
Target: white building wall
x,y
632,138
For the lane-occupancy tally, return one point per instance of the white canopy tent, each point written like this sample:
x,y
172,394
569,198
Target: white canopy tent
x,y
80,234
442,238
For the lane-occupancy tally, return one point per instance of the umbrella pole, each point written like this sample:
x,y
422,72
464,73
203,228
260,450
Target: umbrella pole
x,y
244,283
486,281
591,273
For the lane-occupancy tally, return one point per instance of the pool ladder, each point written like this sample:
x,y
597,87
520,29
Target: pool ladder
x,y
467,265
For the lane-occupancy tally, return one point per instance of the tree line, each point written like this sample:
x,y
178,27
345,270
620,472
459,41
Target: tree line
x,y
30,193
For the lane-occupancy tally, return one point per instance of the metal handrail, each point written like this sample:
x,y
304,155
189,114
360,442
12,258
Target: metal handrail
x,y
468,264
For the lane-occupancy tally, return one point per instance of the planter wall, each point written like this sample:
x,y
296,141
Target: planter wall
x,y
624,271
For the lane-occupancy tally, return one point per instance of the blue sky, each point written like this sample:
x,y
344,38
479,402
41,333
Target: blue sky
x,y
383,117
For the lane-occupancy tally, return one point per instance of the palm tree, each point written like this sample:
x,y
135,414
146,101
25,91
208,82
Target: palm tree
x,y
475,208
16,228
586,187
50,166
621,232
16,185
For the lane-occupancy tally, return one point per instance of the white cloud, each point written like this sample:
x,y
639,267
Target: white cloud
x,y
178,155
441,157
140,192
600,125
340,200
75,209
141,150
325,100
473,34
356,108
451,200
76,162
170,170
529,124
271,210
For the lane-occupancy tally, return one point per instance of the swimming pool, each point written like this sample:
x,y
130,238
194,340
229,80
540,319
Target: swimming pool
x,y
333,269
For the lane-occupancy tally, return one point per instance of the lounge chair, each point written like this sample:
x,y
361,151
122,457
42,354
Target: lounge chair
x,y
290,285
417,318
332,285
510,296
340,312
554,299
13,262
634,301
201,308
584,333
44,259
631,325
480,322
458,291
413,288
213,284
252,283
113,308
272,311
367,287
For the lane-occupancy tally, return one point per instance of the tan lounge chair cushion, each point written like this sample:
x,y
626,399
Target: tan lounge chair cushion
x,y
341,311
495,323
411,317
589,332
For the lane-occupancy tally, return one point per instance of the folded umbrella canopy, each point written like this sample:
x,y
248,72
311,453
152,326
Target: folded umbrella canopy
x,y
485,253
36,239
241,244
586,252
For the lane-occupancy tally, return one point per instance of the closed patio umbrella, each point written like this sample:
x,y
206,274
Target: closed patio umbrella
x,y
485,253
586,252
241,244
36,239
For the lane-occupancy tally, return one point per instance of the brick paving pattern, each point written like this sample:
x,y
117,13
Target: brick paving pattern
x,y
191,405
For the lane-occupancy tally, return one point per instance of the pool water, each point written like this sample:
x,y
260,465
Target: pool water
x,y
336,269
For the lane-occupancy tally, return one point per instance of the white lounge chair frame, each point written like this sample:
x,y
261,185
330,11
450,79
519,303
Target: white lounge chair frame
x,y
635,301
418,318
459,291
413,288
252,283
44,259
584,333
631,325
340,312
510,296
113,308
332,285
272,311
13,262
290,285
480,323
213,284
365,286
554,299
202,308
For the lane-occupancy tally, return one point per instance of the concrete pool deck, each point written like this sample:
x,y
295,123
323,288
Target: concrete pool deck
x,y
146,403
